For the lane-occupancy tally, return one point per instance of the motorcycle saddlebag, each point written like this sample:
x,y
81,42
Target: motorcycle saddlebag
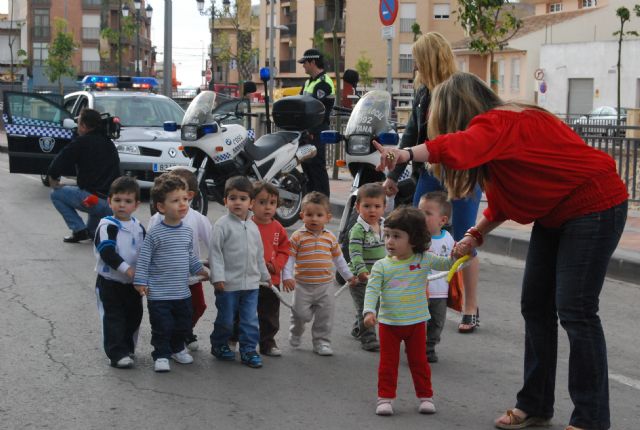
x,y
297,113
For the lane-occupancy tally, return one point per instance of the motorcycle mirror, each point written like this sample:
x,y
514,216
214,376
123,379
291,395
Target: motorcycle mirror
x,y
170,126
249,87
330,136
210,128
265,74
388,138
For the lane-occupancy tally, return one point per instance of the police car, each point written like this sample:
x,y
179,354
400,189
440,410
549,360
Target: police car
x,y
37,130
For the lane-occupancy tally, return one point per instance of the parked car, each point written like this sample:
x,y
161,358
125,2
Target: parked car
x,y
145,148
606,116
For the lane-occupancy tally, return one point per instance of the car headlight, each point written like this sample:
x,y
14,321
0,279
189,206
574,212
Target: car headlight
x,y
359,145
190,132
125,148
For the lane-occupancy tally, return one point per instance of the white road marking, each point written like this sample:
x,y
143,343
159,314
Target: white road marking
x,y
633,383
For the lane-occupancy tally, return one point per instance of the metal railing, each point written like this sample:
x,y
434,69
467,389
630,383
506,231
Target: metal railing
x,y
90,33
91,66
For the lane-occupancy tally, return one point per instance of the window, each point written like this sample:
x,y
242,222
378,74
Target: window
x,y
406,58
515,74
501,74
589,3
91,27
462,65
407,17
41,27
555,7
90,60
40,53
441,10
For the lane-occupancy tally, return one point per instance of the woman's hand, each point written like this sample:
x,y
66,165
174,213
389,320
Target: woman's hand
x,y
390,156
464,247
390,187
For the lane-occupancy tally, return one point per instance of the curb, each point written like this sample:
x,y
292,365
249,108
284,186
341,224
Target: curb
x,y
624,266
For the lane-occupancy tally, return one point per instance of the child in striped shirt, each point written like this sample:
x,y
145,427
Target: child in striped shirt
x,y
366,246
162,273
399,280
309,271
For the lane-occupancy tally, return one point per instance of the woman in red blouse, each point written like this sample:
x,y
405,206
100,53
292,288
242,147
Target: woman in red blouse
x,y
534,168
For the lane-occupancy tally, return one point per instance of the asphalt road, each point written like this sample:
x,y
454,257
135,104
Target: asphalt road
x,y
54,375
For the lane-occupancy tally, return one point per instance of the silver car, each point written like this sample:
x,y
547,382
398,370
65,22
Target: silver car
x,y
602,121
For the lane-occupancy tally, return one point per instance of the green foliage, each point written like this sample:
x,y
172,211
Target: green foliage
x,y
363,67
61,50
625,16
243,54
415,29
318,43
490,24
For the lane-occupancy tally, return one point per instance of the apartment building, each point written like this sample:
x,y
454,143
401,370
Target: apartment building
x,y
359,34
13,39
95,54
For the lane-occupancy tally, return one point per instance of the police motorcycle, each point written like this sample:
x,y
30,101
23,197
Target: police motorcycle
x,y
218,151
369,120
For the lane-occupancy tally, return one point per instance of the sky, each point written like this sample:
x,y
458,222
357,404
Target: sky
x,y
191,37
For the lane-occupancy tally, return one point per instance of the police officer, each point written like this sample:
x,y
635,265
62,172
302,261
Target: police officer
x,y
95,158
320,86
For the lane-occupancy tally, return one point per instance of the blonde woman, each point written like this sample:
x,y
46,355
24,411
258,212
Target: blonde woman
x,y
534,168
435,63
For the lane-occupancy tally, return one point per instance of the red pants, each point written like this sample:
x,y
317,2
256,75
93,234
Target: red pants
x,y
413,337
197,302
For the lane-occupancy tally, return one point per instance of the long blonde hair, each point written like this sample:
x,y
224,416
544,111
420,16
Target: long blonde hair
x,y
454,103
434,60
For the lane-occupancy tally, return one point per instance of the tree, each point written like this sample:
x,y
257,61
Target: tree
x,y
363,66
243,55
490,24
415,29
61,50
21,54
318,43
126,28
625,16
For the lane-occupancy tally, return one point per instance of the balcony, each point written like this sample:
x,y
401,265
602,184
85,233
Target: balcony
x,y
90,33
91,67
327,26
287,66
405,65
41,32
41,2
92,3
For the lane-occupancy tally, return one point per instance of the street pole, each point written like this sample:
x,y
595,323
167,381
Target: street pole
x,y
213,18
272,58
138,20
168,40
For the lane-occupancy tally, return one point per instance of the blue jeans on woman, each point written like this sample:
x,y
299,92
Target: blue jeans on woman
x,y
68,200
465,211
230,303
563,277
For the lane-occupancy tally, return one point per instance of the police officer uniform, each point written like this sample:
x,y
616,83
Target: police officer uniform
x,y
321,87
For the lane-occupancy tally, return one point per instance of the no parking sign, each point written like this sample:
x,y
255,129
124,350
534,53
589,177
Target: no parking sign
x,y
388,11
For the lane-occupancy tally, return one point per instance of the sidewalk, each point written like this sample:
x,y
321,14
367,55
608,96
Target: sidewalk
x,y
512,239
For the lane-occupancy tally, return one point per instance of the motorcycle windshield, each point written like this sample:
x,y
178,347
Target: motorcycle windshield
x,y
199,110
371,114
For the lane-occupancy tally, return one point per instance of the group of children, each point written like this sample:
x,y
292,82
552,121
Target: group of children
x,y
249,252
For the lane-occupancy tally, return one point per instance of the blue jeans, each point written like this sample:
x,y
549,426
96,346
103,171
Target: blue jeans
x,y
563,277
245,304
68,200
465,211
170,325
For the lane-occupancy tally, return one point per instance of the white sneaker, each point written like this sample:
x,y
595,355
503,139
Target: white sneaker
x,y
427,406
274,351
182,357
323,349
162,365
233,346
193,346
125,362
384,407
294,341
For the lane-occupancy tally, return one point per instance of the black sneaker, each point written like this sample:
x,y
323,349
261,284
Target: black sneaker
x,y
222,352
432,357
77,236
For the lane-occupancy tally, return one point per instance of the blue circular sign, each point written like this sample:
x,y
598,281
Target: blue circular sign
x,y
388,11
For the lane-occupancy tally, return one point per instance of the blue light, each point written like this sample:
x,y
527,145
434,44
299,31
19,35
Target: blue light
x,y
388,138
145,82
100,79
170,126
209,128
329,137
265,74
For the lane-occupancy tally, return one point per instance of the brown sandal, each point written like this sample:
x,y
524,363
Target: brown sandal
x,y
517,422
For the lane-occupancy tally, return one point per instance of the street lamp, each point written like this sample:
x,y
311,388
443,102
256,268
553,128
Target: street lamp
x,y
212,14
139,18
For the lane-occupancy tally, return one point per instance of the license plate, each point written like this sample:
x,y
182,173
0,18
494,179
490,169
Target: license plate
x,y
162,167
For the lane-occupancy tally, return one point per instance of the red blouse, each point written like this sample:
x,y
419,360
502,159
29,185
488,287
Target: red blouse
x,y
539,169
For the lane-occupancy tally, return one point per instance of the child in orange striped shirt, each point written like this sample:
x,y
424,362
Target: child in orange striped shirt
x,y
309,271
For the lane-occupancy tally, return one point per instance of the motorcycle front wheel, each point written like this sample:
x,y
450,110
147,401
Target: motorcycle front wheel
x,y
288,211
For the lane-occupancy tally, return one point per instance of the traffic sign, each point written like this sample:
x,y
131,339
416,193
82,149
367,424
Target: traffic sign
x,y
208,75
388,32
388,11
